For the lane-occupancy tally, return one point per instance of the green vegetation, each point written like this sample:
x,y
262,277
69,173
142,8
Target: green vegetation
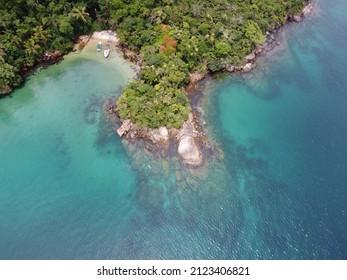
x,y
172,37
176,37
30,27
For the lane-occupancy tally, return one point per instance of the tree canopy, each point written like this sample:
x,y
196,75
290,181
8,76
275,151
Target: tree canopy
x,y
172,37
30,27
176,37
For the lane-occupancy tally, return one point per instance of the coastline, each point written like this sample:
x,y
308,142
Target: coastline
x,y
190,139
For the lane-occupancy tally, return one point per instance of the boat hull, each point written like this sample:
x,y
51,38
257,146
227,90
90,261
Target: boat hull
x,y
99,46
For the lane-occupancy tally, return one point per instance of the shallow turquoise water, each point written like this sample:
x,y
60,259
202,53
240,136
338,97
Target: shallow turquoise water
x,y
283,128
60,169
70,189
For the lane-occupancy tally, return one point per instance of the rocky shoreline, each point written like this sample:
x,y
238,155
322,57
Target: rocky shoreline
x,y
271,41
46,60
190,139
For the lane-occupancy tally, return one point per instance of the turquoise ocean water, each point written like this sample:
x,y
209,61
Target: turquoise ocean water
x,y
277,188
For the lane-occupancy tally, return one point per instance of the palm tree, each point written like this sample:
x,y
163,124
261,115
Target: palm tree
x,y
32,3
16,40
13,43
79,13
40,34
31,50
66,6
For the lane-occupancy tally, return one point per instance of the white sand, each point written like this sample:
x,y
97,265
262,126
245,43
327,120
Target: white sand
x,y
106,36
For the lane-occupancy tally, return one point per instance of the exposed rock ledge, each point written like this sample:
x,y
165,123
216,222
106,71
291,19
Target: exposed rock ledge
x,y
186,138
188,150
307,10
271,41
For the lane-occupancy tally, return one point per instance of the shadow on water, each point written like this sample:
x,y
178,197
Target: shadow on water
x,y
96,112
92,109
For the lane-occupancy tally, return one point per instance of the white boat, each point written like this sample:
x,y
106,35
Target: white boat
x,y
99,46
106,52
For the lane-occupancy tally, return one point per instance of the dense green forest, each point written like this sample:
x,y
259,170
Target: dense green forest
x,y
172,37
30,27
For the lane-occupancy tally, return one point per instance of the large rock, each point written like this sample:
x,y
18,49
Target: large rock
x,y
164,132
297,18
259,50
189,152
158,135
247,68
230,68
132,56
52,56
196,76
308,9
250,57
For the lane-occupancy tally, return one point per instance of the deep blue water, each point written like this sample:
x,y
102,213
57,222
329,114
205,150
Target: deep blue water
x,y
277,188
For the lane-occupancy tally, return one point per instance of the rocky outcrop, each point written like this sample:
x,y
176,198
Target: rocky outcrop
x,y
4,90
196,76
296,18
187,138
164,134
132,56
259,50
250,57
51,56
188,150
308,9
230,68
247,67
159,136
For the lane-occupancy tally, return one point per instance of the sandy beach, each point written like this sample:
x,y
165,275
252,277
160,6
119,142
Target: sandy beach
x,y
107,37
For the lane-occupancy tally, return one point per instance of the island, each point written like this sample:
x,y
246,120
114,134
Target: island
x,y
175,43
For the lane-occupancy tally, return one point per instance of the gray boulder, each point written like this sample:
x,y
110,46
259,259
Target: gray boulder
x,y
247,68
189,152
